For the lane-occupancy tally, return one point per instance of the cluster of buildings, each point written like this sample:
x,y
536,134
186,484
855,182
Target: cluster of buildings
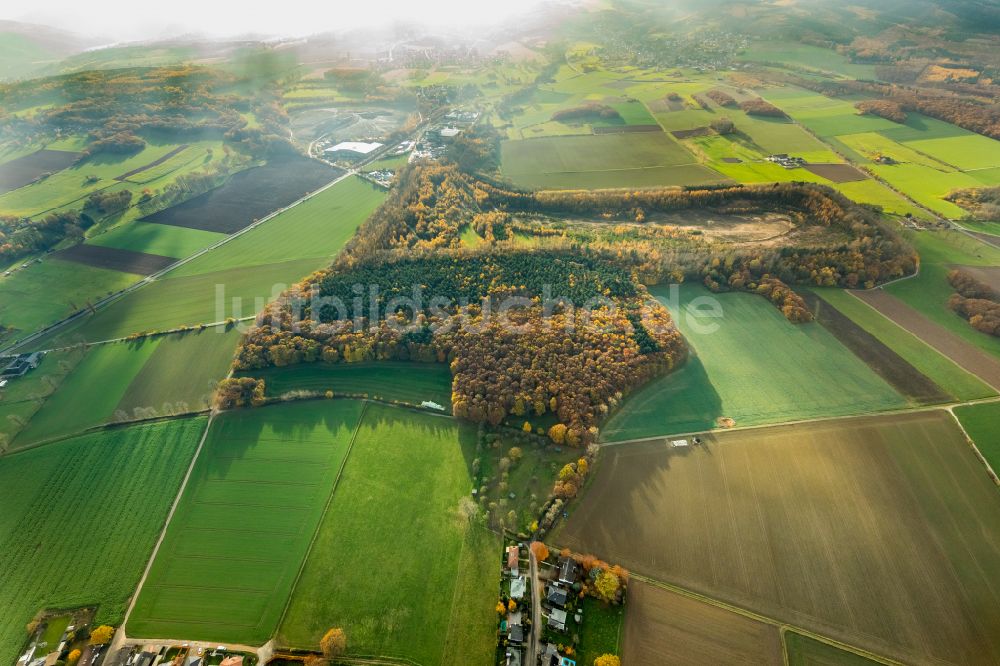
x,y
18,366
350,151
436,139
786,161
516,625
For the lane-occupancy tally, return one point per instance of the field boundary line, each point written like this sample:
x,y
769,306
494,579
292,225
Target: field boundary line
x,y
166,523
975,448
819,419
322,517
765,619
850,292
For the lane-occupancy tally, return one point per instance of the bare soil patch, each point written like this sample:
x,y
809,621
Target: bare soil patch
x,y
158,161
25,170
627,129
732,160
248,196
971,358
838,173
663,627
114,259
690,133
879,532
886,363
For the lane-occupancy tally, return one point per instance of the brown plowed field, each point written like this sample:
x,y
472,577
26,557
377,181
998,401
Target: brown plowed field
x,y
838,173
114,259
880,532
24,170
663,627
973,359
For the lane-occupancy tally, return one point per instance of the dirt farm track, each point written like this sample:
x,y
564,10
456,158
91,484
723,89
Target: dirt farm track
x,y
880,532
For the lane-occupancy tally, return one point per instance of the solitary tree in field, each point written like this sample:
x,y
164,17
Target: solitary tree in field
x,y
102,635
333,643
607,660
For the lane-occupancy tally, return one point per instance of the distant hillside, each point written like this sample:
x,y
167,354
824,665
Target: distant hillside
x,y
27,49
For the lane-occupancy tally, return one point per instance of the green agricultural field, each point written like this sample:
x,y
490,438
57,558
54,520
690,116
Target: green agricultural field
x,y
73,184
181,374
776,135
794,53
940,369
755,368
422,581
230,546
601,631
187,301
318,228
870,144
927,186
823,115
928,293
80,519
384,380
90,394
982,226
163,239
971,151
804,651
980,422
610,160
42,294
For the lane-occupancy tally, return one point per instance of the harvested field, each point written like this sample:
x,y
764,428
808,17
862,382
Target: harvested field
x,y
690,133
663,627
158,161
886,363
112,258
248,196
987,274
976,361
24,170
838,173
879,532
627,129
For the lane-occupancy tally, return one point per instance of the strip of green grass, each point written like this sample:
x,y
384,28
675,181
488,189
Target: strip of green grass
x,y
940,369
163,239
80,519
245,521
388,380
981,423
396,564
804,651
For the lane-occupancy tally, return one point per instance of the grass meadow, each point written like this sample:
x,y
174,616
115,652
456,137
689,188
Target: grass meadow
x,y
231,546
754,367
602,161
876,531
383,380
396,562
80,519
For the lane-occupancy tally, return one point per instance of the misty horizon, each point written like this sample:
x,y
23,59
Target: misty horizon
x,y
112,21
